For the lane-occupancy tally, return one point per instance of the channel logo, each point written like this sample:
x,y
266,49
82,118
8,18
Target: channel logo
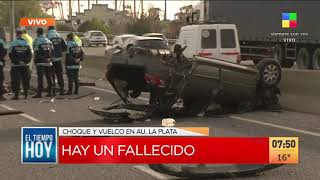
x,y
38,145
289,20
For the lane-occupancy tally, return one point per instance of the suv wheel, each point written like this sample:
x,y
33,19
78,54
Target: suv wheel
x,y
270,72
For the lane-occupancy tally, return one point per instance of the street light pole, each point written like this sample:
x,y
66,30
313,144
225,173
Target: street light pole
x,y
165,10
12,24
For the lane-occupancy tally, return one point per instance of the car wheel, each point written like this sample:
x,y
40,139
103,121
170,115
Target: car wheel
x,y
270,72
104,45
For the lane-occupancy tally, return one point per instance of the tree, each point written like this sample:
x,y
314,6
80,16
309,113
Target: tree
x,y
64,27
26,8
94,24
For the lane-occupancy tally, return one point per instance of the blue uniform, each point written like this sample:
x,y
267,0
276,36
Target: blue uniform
x,y
58,43
44,54
3,52
59,47
44,51
20,54
73,57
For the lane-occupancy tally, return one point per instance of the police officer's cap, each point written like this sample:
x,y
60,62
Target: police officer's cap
x,y
18,30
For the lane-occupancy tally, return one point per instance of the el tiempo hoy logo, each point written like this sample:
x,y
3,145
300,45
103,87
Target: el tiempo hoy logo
x,y
38,145
289,20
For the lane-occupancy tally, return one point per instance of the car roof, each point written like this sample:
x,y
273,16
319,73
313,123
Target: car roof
x,y
141,38
126,35
94,31
152,34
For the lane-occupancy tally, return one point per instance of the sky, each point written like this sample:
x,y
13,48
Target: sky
x,y
173,6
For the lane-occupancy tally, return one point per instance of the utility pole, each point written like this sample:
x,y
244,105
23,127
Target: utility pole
x,y
205,10
88,4
124,6
165,10
96,1
115,5
134,9
70,12
78,6
12,24
141,9
52,7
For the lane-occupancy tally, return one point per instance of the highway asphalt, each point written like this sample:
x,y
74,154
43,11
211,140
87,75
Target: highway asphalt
x,y
74,112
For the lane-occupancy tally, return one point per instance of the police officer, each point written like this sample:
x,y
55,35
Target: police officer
x,y
3,52
44,53
59,47
73,57
20,55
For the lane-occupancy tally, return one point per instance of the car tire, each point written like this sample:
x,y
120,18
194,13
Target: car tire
x,y
104,45
316,59
269,72
303,58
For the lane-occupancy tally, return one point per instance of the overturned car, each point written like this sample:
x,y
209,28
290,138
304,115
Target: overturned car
x,y
189,85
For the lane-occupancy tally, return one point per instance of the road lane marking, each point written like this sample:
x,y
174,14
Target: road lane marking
x,y
275,126
151,172
23,114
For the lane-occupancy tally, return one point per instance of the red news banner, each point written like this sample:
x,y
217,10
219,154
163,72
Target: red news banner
x,y
152,150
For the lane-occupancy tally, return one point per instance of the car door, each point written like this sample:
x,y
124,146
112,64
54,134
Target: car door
x,y
228,44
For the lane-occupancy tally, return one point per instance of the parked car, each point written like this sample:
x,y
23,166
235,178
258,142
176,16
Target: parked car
x,y
159,35
117,43
146,43
94,38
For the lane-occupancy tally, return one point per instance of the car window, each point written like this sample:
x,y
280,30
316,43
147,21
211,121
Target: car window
x,y
208,39
152,44
228,39
97,34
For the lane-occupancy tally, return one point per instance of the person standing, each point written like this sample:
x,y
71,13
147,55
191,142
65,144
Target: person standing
x,y
3,52
29,39
44,53
20,54
59,46
73,58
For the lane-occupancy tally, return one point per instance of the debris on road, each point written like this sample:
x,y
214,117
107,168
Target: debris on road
x,y
10,112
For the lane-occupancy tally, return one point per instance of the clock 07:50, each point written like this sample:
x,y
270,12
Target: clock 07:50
x,y
284,143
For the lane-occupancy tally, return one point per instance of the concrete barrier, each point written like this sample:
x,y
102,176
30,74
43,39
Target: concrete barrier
x,y
300,90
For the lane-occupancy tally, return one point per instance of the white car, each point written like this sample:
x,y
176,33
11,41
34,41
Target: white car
x,y
117,43
94,38
158,35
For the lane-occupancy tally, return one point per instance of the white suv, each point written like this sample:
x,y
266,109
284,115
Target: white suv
x,y
94,38
216,41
